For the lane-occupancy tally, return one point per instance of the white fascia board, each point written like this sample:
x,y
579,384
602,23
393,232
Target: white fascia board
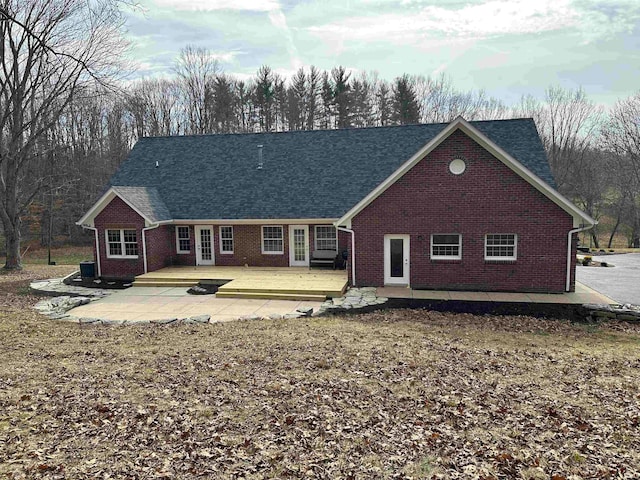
x,y
255,221
97,207
579,217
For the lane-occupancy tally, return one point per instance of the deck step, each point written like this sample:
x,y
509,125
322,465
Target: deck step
x,y
283,291
272,296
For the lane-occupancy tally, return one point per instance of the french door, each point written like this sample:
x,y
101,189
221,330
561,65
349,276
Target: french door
x,y
299,245
204,245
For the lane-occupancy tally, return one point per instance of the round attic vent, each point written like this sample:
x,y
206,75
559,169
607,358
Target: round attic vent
x,y
457,166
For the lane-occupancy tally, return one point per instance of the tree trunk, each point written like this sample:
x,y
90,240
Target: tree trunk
x,y
613,232
594,237
12,242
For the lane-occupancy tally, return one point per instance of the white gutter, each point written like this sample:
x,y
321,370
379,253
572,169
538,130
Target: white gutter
x,y
144,244
353,253
95,230
569,259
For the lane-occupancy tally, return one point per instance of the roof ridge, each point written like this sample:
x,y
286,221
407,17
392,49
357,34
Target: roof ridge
x,y
319,130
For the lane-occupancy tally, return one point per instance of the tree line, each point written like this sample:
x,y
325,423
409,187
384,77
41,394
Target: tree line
x,y
67,120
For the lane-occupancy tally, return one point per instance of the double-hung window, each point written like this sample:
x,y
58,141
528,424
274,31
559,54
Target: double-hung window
x,y
122,243
183,239
500,246
272,240
226,240
446,246
326,238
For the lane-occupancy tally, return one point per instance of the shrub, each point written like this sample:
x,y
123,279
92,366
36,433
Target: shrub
x,y
586,261
604,264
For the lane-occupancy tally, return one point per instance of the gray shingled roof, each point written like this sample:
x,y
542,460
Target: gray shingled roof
x,y
146,200
306,174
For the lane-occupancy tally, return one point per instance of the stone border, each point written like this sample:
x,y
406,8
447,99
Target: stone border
x,y
597,312
54,287
56,308
354,299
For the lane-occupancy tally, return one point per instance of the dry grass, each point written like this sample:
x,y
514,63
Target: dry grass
x,y
401,394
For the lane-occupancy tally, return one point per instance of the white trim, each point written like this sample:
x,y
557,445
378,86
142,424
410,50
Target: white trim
x,y
292,261
569,255
123,244
178,251
512,258
97,207
198,243
353,252
233,244
446,257
281,227
460,123
255,221
97,240
406,260
315,236
144,245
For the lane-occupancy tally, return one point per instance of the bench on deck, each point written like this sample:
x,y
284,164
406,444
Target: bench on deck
x,y
323,258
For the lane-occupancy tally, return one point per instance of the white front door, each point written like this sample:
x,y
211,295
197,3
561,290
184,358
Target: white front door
x,y
204,245
299,245
396,259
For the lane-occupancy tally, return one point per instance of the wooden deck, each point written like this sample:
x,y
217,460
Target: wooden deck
x,y
292,283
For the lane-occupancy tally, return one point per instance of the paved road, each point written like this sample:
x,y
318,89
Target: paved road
x,y
621,283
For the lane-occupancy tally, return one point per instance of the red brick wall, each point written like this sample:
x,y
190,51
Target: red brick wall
x,y
161,244
487,198
160,249
247,248
183,258
119,215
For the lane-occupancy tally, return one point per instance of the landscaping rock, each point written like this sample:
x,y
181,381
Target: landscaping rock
x,y
106,321
200,318
88,320
164,321
305,311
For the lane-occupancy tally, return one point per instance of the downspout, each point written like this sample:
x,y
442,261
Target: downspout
x,y
95,230
569,259
353,252
144,244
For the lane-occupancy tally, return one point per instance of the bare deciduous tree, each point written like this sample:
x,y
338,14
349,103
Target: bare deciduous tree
x,y
196,68
50,50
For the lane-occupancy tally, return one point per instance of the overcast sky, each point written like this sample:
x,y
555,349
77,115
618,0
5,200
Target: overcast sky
x,y
507,47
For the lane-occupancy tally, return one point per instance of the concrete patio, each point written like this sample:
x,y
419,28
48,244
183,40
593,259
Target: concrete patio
x,y
153,303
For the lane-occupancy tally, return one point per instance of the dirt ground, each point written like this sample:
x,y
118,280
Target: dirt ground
x,y
387,395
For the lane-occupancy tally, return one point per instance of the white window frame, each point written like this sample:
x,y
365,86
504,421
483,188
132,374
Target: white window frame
x,y
178,250
264,252
446,257
222,239
315,236
123,244
501,258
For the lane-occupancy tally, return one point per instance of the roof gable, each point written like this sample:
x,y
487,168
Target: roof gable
x,y
145,201
494,149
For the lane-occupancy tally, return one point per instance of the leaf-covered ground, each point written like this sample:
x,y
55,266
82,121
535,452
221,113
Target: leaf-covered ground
x,y
395,394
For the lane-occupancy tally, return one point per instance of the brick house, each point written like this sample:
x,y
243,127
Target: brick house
x,y
458,206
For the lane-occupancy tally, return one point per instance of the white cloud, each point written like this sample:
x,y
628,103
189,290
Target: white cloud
x,y
212,5
279,21
494,17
